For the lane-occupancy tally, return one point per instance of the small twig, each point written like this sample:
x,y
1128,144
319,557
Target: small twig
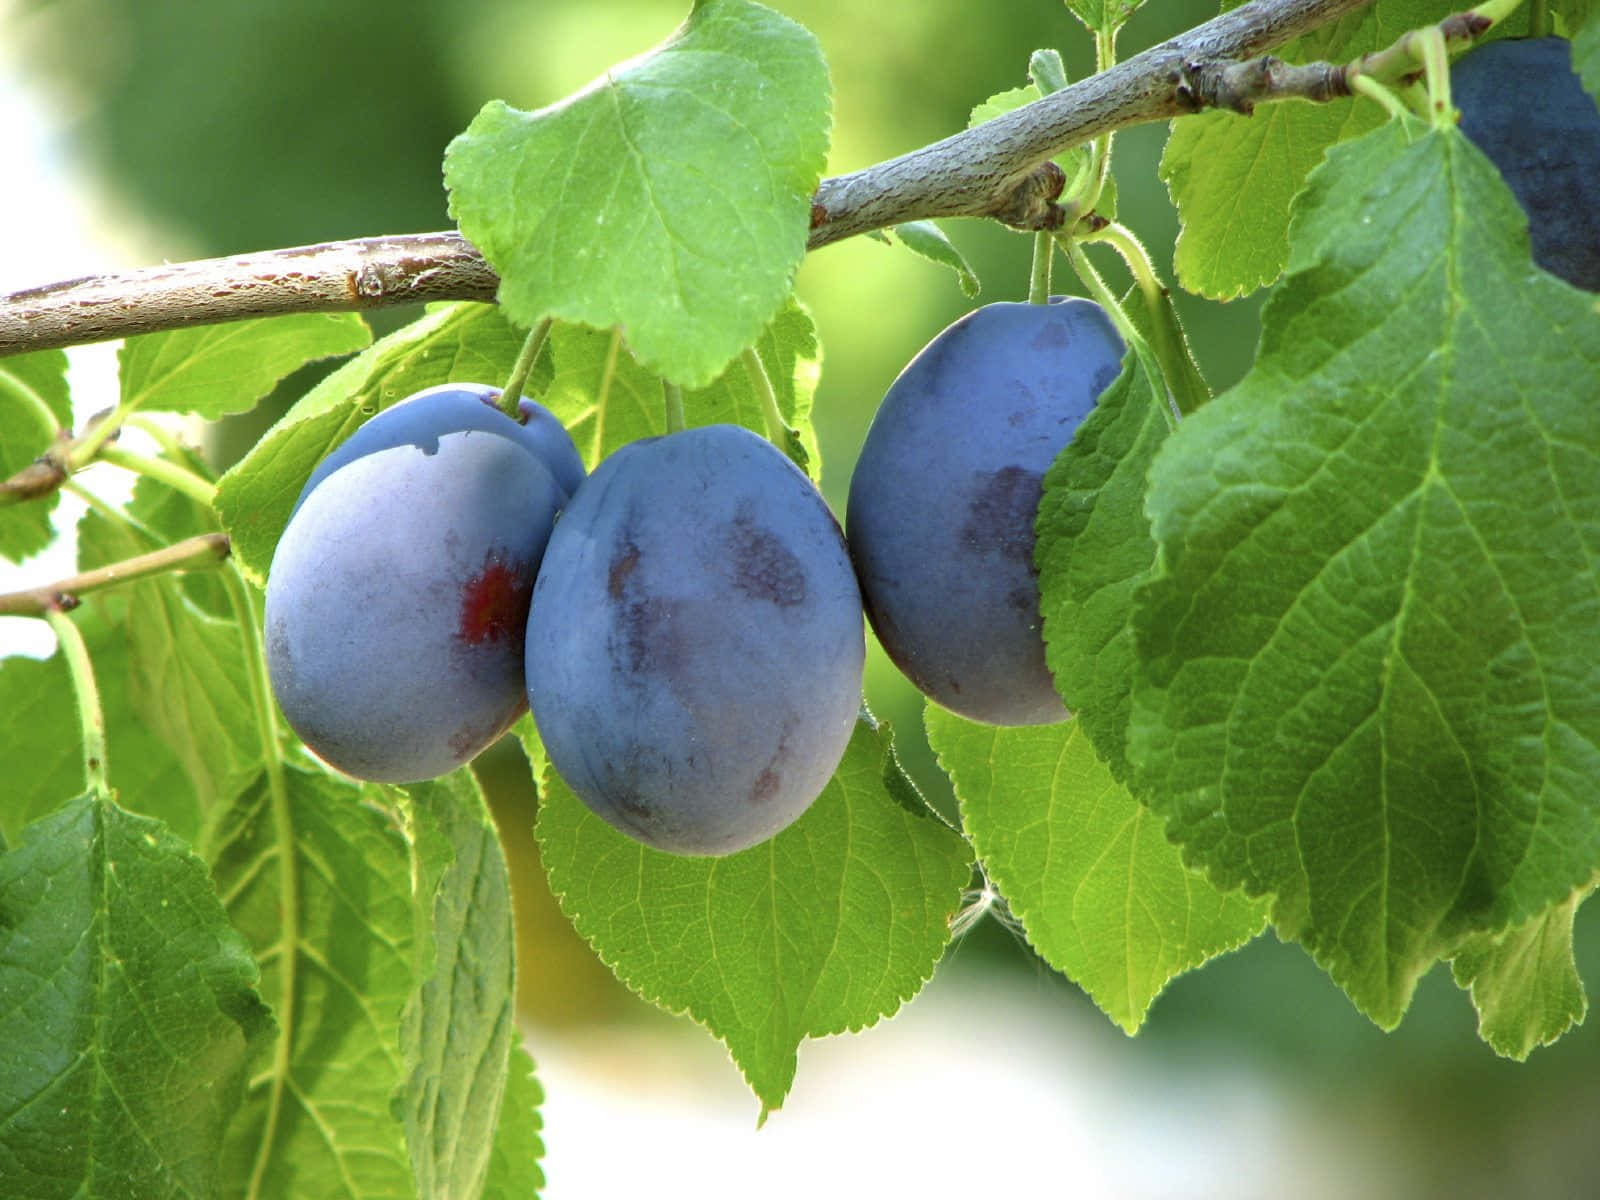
x,y
204,550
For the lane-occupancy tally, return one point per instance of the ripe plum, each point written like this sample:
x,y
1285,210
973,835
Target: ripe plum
x,y
944,495
1523,106
397,601
695,643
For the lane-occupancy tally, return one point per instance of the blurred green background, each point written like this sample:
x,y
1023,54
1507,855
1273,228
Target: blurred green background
x,y
217,127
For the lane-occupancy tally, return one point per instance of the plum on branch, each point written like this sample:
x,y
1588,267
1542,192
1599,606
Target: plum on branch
x,y
945,492
695,643
397,601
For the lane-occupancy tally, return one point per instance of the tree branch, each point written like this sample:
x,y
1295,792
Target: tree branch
x,y
999,169
201,551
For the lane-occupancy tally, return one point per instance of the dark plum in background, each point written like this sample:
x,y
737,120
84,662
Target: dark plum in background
x,y
944,495
1524,108
695,644
398,596
457,407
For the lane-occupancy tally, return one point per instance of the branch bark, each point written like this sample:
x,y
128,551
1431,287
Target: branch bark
x,y
990,171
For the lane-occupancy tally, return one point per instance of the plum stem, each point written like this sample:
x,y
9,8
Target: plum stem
x,y
532,347
777,427
672,396
91,715
1044,250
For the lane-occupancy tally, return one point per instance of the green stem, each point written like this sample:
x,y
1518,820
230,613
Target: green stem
x,y
179,478
1126,243
672,394
1096,287
1538,17
255,662
777,428
91,716
110,511
169,442
1044,252
1428,45
87,448
531,349
1373,90
196,553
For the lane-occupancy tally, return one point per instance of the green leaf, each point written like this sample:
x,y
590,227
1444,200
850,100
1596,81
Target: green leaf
x,y
931,242
514,1172
187,679
319,882
460,1025
606,399
1101,893
128,1011
827,927
213,370
1233,178
1365,678
1525,982
670,198
39,737
1093,549
34,407
468,343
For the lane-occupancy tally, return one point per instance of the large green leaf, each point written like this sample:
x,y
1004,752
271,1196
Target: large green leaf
x,y
1233,178
213,370
471,343
319,882
1101,893
460,1025
1093,549
128,1011
670,198
1368,676
827,927
34,407
606,399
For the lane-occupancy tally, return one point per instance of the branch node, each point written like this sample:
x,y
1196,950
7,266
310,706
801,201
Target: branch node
x,y
1030,204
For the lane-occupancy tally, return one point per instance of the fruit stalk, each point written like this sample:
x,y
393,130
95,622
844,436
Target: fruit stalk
x,y
523,367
